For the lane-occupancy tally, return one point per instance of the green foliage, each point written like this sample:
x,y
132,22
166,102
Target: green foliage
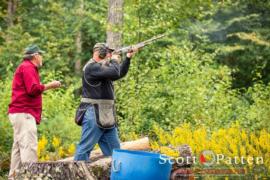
x,y
211,70
54,27
144,19
239,33
257,116
58,113
183,87
5,132
5,127
11,53
186,87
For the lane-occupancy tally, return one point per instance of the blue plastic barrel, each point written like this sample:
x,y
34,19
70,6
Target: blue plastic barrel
x,y
139,165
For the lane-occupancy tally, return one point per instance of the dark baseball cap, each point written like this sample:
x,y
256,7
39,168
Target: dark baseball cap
x,y
32,49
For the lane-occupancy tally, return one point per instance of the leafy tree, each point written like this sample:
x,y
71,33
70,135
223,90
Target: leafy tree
x,y
239,32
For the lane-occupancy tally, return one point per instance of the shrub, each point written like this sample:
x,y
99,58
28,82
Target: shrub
x,y
231,142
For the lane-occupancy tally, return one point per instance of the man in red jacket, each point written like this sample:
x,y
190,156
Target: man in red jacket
x,y
25,108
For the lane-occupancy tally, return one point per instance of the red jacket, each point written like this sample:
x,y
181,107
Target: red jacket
x,y
27,91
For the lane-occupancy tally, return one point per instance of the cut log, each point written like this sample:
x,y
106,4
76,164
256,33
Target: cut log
x,y
72,170
140,144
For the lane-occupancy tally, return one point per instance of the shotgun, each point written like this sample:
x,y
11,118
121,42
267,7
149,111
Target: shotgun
x,y
139,45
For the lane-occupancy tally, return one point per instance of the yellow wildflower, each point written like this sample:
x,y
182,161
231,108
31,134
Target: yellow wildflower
x,y
61,152
71,149
56,142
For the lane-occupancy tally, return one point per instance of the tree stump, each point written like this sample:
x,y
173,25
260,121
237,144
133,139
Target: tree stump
x,y
68,170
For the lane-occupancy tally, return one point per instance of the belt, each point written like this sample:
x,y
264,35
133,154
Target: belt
x,y
97,101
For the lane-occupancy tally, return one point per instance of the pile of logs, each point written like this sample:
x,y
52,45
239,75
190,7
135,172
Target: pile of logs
x,y
97,168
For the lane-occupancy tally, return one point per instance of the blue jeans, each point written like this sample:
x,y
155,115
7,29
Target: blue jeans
x,y
107,139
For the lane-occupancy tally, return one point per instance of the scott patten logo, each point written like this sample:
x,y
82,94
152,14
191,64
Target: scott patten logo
x,y
207,158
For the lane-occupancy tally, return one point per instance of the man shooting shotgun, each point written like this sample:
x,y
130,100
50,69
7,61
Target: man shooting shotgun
x,y
96,112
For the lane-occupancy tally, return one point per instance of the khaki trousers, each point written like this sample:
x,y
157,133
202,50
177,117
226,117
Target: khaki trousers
x,y
24,147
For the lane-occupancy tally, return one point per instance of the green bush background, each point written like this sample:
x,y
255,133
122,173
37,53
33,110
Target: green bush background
x,y
211,70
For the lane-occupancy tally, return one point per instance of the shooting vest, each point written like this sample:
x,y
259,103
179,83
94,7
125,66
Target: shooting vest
x,y
100,94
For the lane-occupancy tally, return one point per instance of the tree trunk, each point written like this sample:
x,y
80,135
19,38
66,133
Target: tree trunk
x,y
78,52
79,42
115,23
12,4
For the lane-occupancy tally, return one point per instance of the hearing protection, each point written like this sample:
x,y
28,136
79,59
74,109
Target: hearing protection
x,y
102,52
